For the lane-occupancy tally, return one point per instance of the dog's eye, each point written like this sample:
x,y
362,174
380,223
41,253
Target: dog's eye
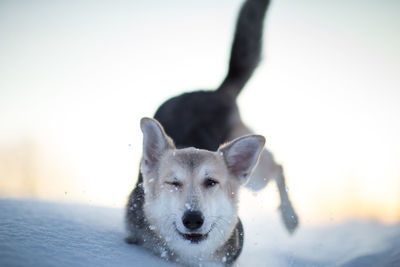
x,y
176,184
209,182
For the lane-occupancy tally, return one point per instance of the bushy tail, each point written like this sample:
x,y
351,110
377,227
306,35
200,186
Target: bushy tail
x,y
246,46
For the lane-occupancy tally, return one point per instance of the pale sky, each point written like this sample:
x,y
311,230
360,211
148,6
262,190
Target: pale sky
x,y
76,77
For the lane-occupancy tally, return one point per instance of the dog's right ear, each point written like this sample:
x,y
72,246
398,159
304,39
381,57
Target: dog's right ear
x,y
155,143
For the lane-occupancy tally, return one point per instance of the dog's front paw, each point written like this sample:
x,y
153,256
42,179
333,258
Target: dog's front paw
x,y
289,216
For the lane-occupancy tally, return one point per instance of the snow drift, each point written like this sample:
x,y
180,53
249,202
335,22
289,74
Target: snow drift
x,y
36,233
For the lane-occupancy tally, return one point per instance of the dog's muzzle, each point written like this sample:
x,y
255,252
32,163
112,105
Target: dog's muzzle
x,y
193,220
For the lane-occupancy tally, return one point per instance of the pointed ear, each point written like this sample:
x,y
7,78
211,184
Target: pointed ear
x,y
155,143
241,155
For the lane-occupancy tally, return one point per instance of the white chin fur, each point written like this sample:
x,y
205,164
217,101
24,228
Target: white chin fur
x,y
202,250
165,219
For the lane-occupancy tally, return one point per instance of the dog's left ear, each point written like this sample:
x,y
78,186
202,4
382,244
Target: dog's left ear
x,y
241,155
155,143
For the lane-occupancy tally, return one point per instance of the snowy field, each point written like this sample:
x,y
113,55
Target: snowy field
x,y
36,233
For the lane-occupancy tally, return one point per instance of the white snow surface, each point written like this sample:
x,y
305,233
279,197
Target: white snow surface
x,y
37,233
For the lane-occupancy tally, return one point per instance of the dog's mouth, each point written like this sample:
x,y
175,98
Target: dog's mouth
x,y
194,238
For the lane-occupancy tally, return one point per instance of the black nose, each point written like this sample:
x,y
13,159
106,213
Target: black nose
x,y
192,220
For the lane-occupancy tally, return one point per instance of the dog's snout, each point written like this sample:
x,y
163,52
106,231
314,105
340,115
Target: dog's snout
x,y
192,220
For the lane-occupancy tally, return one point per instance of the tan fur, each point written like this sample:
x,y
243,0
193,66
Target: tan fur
x,y
191,167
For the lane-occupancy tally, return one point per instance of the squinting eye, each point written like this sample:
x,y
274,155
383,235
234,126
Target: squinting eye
x,y
175,184
210,183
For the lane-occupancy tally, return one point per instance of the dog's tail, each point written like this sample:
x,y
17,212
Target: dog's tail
x,y
246,46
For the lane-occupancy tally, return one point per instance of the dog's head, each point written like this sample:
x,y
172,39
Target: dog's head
x,y
191,194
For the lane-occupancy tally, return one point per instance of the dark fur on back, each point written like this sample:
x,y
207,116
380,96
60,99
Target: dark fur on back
x,y
198,119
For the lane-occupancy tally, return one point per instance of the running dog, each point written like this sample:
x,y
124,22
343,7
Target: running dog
x,y
183,207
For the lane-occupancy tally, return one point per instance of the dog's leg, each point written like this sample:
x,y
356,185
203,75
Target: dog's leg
x,y
135,219
288,214
266,170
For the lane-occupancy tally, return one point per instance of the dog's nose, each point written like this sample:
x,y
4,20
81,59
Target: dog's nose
x,y
193,220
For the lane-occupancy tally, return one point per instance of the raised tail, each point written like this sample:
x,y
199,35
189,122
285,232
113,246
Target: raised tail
x,y
246,46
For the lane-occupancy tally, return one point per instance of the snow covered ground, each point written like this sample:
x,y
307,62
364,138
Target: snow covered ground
x,y
36,233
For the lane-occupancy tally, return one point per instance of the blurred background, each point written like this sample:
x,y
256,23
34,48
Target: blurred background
x,y
77,76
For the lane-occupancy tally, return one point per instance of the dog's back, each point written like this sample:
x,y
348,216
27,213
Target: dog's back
x,y
205,119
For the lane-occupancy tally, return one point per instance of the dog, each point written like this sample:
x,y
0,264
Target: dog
x,y
198,123
189,212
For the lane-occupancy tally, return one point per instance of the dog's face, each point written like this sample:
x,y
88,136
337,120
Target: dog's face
x,y
191,194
